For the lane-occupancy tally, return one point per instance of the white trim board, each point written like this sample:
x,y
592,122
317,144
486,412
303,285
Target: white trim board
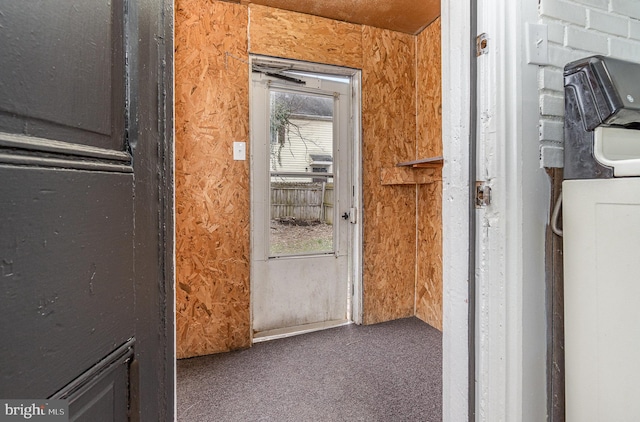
x,y
456,37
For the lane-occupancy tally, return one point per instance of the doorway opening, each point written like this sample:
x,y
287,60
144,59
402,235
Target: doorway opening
x,y
305,197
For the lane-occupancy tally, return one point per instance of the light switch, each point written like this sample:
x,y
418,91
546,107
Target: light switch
x,y
537,44
239,151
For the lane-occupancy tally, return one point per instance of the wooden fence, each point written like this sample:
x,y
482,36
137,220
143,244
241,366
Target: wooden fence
x,y
304,202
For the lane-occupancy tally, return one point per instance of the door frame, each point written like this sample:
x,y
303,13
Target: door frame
x,y
500,324
355,240
457,247
152,142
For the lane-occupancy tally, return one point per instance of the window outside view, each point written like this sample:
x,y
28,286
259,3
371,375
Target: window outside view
x,y
301,168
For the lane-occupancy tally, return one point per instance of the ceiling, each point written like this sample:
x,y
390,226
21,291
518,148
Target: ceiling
x,y
408,16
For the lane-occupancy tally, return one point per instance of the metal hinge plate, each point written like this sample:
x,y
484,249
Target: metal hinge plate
x,y
483,194
482,44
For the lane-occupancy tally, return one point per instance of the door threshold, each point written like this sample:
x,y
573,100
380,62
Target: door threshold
x,y
297,330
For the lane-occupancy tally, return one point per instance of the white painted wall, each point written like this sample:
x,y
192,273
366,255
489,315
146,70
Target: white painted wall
x,y
577,29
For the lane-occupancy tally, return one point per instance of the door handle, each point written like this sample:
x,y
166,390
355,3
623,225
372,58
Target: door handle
x,y
350,216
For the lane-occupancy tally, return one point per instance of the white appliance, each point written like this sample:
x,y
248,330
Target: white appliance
x,y
601,234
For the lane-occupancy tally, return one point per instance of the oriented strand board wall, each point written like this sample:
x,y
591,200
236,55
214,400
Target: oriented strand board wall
x,y
389,136
429,270
429,86
429,144
212,190
290,35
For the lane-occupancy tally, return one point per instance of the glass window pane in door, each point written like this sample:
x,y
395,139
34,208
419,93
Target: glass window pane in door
x,y
301,174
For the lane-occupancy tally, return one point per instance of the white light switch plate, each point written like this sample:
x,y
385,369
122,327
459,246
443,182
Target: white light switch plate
x,y
239,151
537,44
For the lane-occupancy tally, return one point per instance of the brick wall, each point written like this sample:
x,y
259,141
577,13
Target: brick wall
x,y
576,29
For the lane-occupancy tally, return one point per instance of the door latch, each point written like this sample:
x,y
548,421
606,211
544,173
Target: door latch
x,y
483,194
350,216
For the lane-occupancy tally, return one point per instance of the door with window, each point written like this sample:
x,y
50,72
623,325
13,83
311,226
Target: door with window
x,y
301,200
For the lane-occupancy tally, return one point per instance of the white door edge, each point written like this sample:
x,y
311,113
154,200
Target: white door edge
x,y
357,236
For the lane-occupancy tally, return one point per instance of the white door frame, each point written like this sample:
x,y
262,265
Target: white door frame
x,y
510,326
355,128
511,354
455,19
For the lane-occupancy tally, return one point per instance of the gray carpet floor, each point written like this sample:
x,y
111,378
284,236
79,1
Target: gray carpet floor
x,y
384,372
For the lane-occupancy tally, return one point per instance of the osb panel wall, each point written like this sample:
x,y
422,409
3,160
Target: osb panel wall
x,y
389,134
429,144
429,269
212,190
429,86
291,35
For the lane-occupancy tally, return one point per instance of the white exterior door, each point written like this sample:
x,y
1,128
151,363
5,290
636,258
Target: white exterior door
x,y
302,190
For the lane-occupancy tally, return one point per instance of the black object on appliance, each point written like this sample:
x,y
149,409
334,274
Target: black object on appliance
x,y
598,91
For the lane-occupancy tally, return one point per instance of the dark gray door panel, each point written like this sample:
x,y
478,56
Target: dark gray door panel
x,y
53,52
67,299
103,392
86,223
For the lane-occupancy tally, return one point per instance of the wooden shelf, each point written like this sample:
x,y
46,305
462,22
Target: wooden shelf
x,y
431,162
416,172
409,176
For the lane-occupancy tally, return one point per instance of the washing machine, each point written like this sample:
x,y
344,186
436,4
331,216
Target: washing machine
x,y
601,240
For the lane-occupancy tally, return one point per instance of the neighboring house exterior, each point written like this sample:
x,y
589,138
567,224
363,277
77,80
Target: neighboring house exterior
x,y
307,146
304,146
